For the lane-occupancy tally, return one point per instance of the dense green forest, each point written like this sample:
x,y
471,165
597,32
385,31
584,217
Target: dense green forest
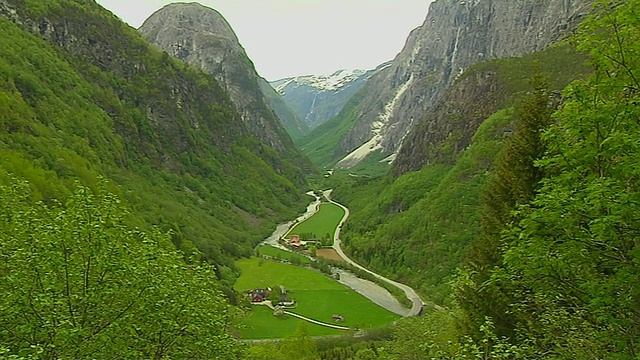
x,y
112,156
534,252
107,104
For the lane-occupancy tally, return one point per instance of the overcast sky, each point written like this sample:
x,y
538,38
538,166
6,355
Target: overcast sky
x,y
299,37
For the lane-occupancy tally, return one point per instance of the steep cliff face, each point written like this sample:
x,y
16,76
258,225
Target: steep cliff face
x,y
455,35
201,36
449,127
318,98
82,28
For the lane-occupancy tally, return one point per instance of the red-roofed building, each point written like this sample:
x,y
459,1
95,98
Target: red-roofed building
x,y
259,295
295,241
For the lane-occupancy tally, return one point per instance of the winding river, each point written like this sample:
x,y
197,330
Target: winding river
x,y
374,292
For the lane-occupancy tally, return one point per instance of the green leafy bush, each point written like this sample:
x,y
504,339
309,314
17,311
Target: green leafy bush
x,y
78,283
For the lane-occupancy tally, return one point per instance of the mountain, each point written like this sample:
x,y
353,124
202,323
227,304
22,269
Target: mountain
x,y
454,36
417,225
202,37
318,98
430,206
544,24
508,202
291,121
86,99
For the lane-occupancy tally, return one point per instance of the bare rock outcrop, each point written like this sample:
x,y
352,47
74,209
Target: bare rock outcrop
x,y
455,35
202,37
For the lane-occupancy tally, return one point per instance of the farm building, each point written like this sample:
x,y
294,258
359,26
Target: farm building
x,y
285,301
294,241
259,295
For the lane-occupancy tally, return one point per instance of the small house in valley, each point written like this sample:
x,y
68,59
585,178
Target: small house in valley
x,y
295,241
259,295
285,301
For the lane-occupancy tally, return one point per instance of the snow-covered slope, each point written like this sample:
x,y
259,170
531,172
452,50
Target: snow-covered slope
x,y
318,98
333,82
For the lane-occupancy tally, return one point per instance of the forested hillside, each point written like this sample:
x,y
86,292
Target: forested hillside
x,y
417,227
112,156
84,97
537,247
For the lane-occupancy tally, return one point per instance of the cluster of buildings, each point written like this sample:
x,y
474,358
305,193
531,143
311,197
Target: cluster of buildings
x,y
294,242
259,296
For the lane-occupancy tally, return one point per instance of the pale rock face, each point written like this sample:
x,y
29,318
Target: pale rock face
x,y
201,36
455,35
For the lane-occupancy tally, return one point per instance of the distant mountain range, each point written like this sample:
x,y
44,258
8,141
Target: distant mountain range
x,y
455,36
317,98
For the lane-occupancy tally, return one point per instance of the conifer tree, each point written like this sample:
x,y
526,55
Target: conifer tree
x,y
514,182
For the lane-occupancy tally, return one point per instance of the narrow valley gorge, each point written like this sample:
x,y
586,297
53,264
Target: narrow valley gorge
x,y
476,197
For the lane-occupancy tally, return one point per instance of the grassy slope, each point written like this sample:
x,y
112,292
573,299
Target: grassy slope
x,y
321,143
283,254
261,324
372,166
318,297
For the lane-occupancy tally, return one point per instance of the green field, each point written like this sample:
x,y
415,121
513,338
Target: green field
x,y
261,324
318,297
292,257
322,224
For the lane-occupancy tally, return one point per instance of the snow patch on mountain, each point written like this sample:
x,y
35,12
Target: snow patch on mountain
x,y
332,82
375,143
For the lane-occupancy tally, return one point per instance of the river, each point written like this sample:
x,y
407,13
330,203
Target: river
x,y
374,292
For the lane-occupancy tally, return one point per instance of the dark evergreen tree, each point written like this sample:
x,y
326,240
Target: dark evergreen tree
x,y
514,182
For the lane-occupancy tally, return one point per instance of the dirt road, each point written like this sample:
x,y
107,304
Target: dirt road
x,y
409,292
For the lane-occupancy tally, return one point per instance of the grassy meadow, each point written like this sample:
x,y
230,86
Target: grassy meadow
x,y
318,298
290,256
322,224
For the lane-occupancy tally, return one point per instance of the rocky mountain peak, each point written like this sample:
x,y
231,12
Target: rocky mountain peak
x,y
201,36
186,19
455,35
